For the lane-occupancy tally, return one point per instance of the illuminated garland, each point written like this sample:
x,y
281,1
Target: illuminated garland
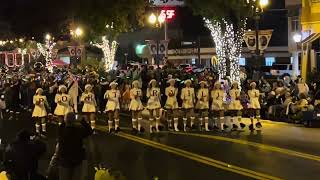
x,y
228,43
46,50
109,52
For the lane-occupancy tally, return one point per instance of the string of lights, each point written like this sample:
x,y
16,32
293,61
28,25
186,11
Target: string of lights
x,y
228,43
47,51
109,52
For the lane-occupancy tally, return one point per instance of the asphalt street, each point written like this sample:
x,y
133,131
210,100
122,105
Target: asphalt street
x,y
277,151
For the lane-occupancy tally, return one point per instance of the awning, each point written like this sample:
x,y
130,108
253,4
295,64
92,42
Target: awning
x,y
311,38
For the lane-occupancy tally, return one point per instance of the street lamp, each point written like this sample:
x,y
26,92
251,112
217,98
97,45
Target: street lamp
x,y
263,3
152,19
48,37
297,37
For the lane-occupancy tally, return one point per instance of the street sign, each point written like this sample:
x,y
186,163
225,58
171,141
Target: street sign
x,y
167,3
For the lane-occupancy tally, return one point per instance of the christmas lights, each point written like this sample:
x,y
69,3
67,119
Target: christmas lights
x,y
109,51
228,43
47,51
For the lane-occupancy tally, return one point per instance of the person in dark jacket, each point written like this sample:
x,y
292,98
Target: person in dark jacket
x,y
71,150
21,157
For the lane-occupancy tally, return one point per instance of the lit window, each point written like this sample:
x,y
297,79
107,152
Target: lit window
x,y
193,61
242,61
270,61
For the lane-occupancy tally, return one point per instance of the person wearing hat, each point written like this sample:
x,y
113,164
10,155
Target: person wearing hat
x,y
188,100
39,112
113,106
235,106
203,104
254,105
217,95
136,106
64,103
172,104
89,105
153,105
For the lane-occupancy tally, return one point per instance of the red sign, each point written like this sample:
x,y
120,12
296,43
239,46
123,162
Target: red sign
x,y
168,14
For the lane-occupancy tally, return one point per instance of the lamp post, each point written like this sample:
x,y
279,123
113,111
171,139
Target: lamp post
x,y
76,34
297,37
258,7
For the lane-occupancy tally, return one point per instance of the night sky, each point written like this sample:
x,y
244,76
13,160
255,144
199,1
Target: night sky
x,y
34,18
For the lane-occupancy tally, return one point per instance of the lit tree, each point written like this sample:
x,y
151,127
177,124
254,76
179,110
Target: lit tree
x,y
47,51
109,51
226,20
228,43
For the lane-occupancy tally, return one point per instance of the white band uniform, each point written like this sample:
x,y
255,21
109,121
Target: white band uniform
x,y
113,97
154,98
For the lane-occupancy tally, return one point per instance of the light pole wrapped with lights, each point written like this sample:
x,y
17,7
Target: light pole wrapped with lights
x,y
47,51
109,49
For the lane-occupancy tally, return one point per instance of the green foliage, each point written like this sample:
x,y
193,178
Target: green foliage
x,y
230,10
124,15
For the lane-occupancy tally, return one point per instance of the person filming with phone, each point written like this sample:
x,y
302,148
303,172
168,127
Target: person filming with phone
x,y
22,155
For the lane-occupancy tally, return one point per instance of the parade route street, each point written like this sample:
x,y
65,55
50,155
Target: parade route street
x,y
278,151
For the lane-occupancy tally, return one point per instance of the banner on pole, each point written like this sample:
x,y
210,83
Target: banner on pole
x,y
264,39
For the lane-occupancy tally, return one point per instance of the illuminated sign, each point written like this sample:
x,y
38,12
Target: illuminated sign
x,y
167,3
168,14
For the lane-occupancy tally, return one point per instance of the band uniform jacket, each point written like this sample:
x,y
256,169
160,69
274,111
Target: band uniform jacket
x,y
188,98
171,93
153,95
135,96
64,103
235,103
40,103
217,100
113,97
89,102
203,98
254,102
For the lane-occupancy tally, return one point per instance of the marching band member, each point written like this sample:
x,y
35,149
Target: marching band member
x,y
89,105
172,104
254,95
217,95
64,103
154,106
39,112
235,106
136,106
203,104
188,99
113,106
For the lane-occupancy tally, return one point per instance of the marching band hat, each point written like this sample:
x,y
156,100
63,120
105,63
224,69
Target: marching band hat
x,y
38,90
136,82
62,87
187,81
203,82
253,84
87,86
171,80
152,80
113,84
